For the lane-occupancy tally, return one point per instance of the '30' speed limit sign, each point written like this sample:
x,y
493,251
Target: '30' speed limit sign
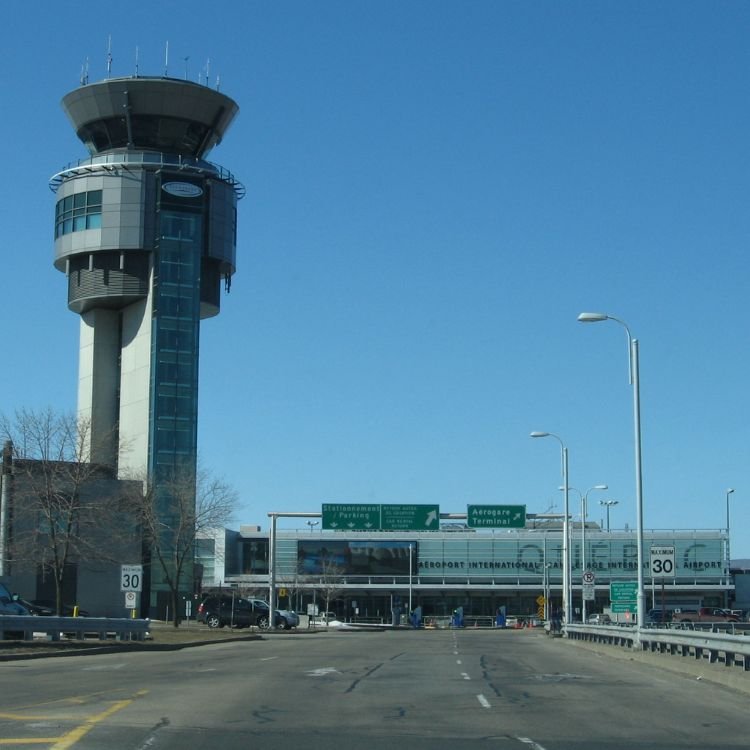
x,y
662,562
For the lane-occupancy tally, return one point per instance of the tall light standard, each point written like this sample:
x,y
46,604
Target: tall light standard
x,y
635,382
411,553
312,525
546,592
729,559
566,538
608,504
584,505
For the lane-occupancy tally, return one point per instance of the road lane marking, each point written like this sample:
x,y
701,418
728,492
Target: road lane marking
x,y
72,737
322,671
483,701
530,743
465,676
458,661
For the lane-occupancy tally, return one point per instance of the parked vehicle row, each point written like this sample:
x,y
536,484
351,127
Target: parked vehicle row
x,y
13,604
218,611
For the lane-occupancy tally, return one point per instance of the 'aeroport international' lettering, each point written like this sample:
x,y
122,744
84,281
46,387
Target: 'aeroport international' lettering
x,y
536,566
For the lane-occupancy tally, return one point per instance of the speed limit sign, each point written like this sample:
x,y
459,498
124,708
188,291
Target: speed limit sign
x,y
662,562
131,578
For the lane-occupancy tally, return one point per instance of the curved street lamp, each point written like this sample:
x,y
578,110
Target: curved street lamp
x,y
635,382
566,545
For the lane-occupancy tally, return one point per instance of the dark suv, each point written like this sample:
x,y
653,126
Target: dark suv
x,y
658,616
218,611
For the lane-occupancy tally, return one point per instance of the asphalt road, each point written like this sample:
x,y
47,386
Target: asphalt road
x,y
513,690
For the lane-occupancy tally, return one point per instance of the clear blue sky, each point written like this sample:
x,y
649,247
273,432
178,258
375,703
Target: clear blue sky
x,y
435,190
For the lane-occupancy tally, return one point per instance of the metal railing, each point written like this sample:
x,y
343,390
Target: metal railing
x,y
56,628
716,645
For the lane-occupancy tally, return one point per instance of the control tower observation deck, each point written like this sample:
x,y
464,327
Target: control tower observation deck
x,y
145,232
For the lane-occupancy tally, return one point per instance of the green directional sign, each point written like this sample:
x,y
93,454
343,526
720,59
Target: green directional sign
x,y
410,517
350,517
623,607
496,516
623,591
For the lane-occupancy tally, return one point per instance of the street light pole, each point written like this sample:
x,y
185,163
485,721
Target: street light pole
x,y
584,511
411,552
635,381
608,504
566,533
729,559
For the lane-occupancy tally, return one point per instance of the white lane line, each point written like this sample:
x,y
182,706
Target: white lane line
x,y
322,672
458,661
483,701
269,658
530,743
465,676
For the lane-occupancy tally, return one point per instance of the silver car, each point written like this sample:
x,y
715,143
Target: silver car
x,y
289,619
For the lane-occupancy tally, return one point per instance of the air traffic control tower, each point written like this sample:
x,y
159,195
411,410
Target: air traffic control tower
x,y
145,232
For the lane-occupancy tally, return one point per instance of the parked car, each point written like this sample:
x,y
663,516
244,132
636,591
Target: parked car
x,y
47,608
658,616
290,619
599,618
706,614
238,612
10,605
36,609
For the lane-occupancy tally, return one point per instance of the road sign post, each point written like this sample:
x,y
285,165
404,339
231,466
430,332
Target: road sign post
x,y
623,596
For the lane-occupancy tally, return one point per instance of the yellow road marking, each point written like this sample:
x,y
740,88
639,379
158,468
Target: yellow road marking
x,y
70,739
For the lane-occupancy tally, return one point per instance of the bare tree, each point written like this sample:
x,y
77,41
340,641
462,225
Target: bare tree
x,y
329,580
62,505
175,510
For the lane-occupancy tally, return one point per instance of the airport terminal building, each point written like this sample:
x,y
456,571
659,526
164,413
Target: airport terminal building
x,y
371,573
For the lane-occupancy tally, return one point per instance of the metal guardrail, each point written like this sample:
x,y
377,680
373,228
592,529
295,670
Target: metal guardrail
x,y
103,628
716,645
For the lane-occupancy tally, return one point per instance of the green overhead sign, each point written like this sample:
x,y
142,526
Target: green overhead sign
x,y
410,517
496,516
351,517
623,591
366,517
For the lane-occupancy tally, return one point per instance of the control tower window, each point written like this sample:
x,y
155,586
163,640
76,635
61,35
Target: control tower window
x,y
77,212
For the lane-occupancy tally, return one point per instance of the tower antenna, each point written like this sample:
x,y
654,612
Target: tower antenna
x,y
136,61
166,59
186,65
109,56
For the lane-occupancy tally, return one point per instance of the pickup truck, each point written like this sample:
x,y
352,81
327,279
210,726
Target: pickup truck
x,y
705,614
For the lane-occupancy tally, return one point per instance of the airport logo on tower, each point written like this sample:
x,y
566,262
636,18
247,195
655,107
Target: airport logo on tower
x,y
182,189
